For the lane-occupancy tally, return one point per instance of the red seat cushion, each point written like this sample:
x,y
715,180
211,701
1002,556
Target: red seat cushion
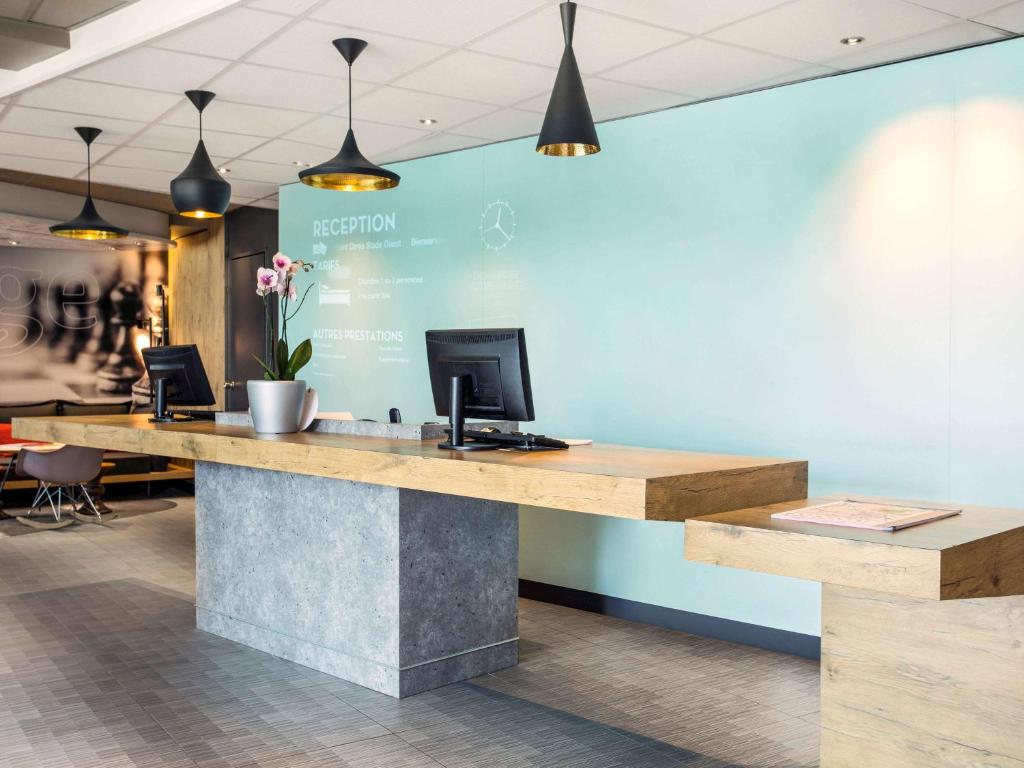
x,y
5,436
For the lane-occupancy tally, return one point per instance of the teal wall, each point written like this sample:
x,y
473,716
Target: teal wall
x,y
831,270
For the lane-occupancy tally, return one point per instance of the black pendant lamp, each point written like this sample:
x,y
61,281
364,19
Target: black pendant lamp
x,y
349,171
199,192
88,225
568,129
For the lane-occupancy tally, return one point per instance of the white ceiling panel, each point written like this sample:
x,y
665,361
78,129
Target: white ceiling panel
x,y
955,35
252,189
475,76
601,41
137,178
692,16
283,88
329,132
807,72
151,159
284,152
180,139
432,145
609,99
503,124
405,108
1010,17
965,9
155,69
247,119
61,125
307,47
61,168
98,99
226,35
250,170
810,30
448,22
43,146
703,68
290,7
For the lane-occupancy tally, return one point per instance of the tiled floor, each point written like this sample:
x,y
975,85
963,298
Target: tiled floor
x,y
100,665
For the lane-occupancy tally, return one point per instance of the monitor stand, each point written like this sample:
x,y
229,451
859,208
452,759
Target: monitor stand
x,y
457,419
161,413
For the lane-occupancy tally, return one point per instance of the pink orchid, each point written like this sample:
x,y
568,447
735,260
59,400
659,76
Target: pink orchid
x,y
281,262
285,289
278,279
266,281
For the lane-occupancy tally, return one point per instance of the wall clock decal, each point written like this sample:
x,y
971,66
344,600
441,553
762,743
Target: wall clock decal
x,y
497,225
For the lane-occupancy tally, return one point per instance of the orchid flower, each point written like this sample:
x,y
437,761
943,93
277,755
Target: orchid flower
x,y
281,262
266,281
284,363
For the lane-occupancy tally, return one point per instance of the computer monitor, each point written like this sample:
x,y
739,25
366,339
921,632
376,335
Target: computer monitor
x,y
479,374
178,378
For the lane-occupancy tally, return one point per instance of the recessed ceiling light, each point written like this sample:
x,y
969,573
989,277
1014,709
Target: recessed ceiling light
x,y
13,242
428,121
138,242
855,40
302,164
223,170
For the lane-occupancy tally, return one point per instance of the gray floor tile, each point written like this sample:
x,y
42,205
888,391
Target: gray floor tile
x,y
101,665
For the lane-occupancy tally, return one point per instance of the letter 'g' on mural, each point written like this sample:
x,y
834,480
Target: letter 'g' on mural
x,y
19,330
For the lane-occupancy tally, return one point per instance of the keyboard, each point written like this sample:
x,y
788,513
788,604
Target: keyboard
x,y
516,440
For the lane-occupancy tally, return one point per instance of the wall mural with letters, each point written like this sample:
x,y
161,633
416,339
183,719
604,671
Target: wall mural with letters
x,y
831,270
72,323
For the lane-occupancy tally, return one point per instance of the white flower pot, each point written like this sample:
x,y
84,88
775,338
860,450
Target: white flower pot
x,y
275,405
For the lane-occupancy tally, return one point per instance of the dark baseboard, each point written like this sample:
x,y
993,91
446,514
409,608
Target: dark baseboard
x,y
784,641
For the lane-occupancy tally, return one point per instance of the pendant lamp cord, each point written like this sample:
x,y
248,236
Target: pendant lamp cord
x,y
88,169
350,97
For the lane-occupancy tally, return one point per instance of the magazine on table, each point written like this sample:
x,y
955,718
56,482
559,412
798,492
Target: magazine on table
x,y
868,515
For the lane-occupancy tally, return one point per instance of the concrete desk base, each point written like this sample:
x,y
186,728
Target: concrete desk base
x,y
399,591
387,561
922,638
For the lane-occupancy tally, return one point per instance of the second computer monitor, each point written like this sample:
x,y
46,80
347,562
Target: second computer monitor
x,y
178,378
479,374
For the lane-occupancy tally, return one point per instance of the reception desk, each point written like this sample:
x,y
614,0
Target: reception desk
x,y
922,638
389,562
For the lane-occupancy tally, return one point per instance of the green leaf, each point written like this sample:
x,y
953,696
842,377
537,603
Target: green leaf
x,y
300,357
281,359
269,374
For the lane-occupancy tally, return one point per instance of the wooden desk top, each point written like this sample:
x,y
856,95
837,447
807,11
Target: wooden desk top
x,y
614,480
979,553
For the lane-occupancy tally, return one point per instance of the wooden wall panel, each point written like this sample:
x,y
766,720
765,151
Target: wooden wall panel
x,y
197,301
